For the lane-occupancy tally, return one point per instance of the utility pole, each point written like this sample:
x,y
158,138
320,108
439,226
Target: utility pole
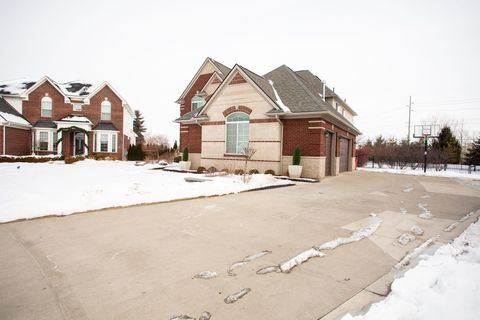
x,y
409,117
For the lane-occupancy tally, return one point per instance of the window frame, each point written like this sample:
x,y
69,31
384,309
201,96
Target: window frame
x,y
238,151
103,105
43,103
112,141
199,100
50,133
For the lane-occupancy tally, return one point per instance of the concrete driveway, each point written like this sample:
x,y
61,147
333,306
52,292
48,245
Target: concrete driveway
x,y
139,262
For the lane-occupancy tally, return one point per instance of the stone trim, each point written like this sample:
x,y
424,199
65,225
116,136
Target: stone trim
x,y
233,109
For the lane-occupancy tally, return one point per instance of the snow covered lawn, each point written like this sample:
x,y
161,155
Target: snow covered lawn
x,y
31,190
443,286
429,173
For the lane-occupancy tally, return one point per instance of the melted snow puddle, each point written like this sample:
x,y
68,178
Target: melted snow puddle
x,y
206,275
246,260
237,295
287,266
426,214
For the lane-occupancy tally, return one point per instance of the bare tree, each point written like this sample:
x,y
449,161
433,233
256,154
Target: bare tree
x,y
247,154
156,145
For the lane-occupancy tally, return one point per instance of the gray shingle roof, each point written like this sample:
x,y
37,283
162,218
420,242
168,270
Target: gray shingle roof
x,y
223,68
105,126
45,124
261,82
16,116
314,83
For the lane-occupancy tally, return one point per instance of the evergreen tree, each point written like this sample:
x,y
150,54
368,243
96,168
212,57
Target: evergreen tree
x,y
175,145
447,141
138,126
473,154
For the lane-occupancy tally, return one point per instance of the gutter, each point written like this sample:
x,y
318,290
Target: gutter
x,y
4,138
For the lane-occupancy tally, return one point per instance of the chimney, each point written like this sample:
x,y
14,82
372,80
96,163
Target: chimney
x,y
323,95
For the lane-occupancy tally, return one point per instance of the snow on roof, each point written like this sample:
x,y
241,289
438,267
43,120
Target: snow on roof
x,y
73,118
74,88
277,98
16,87
13,118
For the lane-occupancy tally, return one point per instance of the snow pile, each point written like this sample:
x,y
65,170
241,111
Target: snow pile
x,y
450,227
206,275
306,255
429,173
404,239
416,230
442,286
236,296
76,119
372,226
277,97
426,214
40,189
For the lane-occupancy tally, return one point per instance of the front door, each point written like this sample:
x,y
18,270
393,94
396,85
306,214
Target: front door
x,y
79,143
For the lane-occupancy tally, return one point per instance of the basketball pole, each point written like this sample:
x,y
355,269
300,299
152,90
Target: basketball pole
x,y
409,117
425,155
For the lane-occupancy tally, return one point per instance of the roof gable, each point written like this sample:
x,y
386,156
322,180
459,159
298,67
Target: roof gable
x,y
9,114
221,70
237,71
42,81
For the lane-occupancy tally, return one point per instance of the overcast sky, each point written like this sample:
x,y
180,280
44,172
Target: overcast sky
x,y
375,53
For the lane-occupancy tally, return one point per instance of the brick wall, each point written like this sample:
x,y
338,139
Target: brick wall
x,y
186,106
18,141
191,137
311,141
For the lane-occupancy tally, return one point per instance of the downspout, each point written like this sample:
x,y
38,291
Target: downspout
x,y
4,139
281,141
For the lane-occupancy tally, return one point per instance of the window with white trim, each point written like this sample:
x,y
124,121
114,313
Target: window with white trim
x,y
105,141
43,141
106,110
197,102
54,140
237,132
46,107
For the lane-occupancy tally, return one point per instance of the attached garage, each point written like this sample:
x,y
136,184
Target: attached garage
x,y
328,153
344,143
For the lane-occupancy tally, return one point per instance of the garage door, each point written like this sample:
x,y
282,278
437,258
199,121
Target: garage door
x,y
328,154
343,154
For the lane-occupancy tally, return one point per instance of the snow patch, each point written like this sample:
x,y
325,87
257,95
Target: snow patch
x,y
306,255
450,227
14,118
406,260
404,239
403,211
206,275
372,226
277,97
442,286
465,217
246,260
236,296
408,189
430,173
426,214
416,230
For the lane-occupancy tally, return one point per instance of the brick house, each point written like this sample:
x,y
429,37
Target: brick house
x,y
222,110
75,118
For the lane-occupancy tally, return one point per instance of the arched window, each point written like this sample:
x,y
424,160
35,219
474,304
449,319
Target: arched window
x,y
46,107
197,102
237,132
106,111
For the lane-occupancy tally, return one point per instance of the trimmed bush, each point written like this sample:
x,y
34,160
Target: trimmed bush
x,y
225,170
104,157
70,160
239,171
185,154
296,156
212,170
253,171
177,159
32,159
201,169
270,171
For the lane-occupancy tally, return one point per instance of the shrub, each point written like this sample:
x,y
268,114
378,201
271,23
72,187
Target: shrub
x,y
70,160
177,159
239,171
212,170
185,154
270,171
135,152
225,170
296,156
32,159
100,157
253,171
201,169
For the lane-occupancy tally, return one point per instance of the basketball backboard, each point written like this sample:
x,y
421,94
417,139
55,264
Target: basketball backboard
x,y
426,130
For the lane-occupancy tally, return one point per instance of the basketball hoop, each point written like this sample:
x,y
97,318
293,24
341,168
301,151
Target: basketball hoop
x,y
425,132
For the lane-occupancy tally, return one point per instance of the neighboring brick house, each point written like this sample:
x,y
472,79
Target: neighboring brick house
x,y
222,110
75,118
